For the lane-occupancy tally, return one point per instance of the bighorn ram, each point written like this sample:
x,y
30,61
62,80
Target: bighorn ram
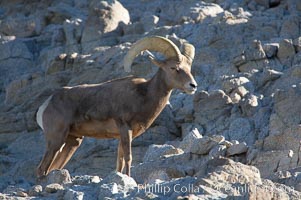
x,y
122,108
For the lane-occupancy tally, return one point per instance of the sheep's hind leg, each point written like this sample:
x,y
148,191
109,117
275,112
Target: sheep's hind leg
x,y
65,154
120,158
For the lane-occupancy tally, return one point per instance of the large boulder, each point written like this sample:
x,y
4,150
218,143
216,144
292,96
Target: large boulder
x,y
270,162
284,124
59,176
116,184
104,18
212,110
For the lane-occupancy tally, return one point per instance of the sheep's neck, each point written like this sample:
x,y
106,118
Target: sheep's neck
x,y
159,86
159,91
157,96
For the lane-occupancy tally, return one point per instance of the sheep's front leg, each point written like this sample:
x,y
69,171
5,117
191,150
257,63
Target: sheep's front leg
x,y
126,143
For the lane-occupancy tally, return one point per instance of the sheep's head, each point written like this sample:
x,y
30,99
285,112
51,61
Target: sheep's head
x,y
176,65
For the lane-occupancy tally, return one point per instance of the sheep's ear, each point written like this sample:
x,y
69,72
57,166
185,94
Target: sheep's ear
x,y
156,62
188,52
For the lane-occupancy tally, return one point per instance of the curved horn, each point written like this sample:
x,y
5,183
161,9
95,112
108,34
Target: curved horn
x,y
188,51
154,43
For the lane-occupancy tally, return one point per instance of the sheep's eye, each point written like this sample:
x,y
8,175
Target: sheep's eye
x,y
177,69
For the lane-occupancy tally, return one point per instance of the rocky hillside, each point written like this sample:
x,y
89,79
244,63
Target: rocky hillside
x,y
239,136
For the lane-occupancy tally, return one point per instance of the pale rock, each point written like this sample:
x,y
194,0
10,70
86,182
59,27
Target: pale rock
x,y
21,194
254,51
224,170
86,179
252,101
290,153
237,149
168,168
53,188
161,175
186,128
189,139
202,146
104,17
123,181
206,11
250,105
35,190
59,176
193,11
235,97
237,88
242,91
155,152
233,83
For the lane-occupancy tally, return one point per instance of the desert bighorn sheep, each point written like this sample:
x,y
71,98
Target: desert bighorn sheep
x,y
122,108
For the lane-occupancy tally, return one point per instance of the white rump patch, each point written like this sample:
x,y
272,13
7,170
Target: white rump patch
x,y
41,112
